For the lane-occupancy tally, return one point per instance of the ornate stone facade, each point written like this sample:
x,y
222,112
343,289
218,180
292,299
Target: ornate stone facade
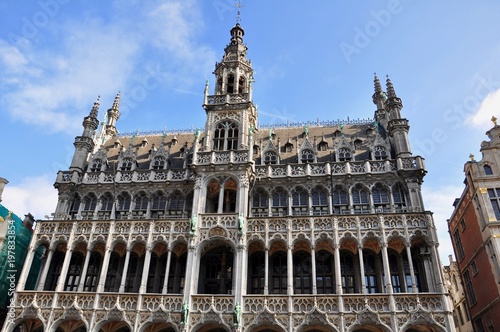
x,y
318,227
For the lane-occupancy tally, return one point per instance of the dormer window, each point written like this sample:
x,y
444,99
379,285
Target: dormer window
x,y
380,153
270,157
158,163
345,154
307,156
288,147
322,146
144,142
96,165
117,144
126,164
487,170
230,83
226,136
357,144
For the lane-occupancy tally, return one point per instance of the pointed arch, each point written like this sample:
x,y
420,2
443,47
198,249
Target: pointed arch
x,y
340,200
279,202
260,203
320,200
300,201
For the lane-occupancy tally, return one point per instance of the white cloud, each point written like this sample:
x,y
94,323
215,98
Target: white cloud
x,y
54,86
490,106
35,195
440,202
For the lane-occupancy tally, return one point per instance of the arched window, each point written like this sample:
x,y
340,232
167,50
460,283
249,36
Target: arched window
x,y
156,275
380,197
288,147
123,205
349,272
93,272
260,203
487,170
373,271
140,205
270,157
230,83
400,271
257,273
300,202
344,154
54,270
319,201
216,272
177,274
360,200
96,165
340,201
399,197
134,271
241,84
380,153
302,273
74,271
115,271
280,203
126,164
226,136
325,275
106,206
176,205
278,273
307,156
75,207
158,163
89,205
158,205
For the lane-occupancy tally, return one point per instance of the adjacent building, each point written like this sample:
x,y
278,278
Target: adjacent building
x,y
15,237
456,290
239,227
475,231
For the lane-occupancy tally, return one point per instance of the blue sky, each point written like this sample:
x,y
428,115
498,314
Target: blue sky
x,y
312,60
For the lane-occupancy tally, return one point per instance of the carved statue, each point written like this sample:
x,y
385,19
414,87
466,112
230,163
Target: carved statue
x,y
184,313
241,223
237,314
192,223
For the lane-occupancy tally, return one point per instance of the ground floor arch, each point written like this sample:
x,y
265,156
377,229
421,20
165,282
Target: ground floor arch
x,y
29,325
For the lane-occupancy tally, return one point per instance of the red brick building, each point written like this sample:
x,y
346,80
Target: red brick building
x,y
475,232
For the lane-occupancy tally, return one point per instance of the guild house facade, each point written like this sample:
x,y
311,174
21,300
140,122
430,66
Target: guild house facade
x,y
235,227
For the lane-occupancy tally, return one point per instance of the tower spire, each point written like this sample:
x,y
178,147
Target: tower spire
x,y
113,116
390,88
397,126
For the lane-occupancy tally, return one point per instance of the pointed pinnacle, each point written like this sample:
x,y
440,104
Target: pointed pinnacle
x,y
95,108
116,102
390,88
376,82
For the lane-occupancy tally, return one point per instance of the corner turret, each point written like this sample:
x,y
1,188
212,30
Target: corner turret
x,y
397,126
84,144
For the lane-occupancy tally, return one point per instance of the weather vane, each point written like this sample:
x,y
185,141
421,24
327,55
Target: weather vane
x,y
239,5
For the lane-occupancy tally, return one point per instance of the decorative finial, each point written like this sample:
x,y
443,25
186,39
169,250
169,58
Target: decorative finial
x,y
494,120
390,88
376,81
471,157
116,102
95,108
239,5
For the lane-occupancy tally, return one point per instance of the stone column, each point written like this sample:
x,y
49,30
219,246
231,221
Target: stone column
x,y
266,273
289,265
125,271
104,269
64,269
362,269
313,268
338,270
145,270
387,269
414,286
167,272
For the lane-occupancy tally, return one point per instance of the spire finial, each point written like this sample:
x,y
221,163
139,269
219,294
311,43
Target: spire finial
x,y
116,102
494,120
238,5
390,88
376,82
95,108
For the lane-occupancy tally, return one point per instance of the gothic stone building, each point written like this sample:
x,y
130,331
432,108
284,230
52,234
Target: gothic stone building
x,y
239,228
